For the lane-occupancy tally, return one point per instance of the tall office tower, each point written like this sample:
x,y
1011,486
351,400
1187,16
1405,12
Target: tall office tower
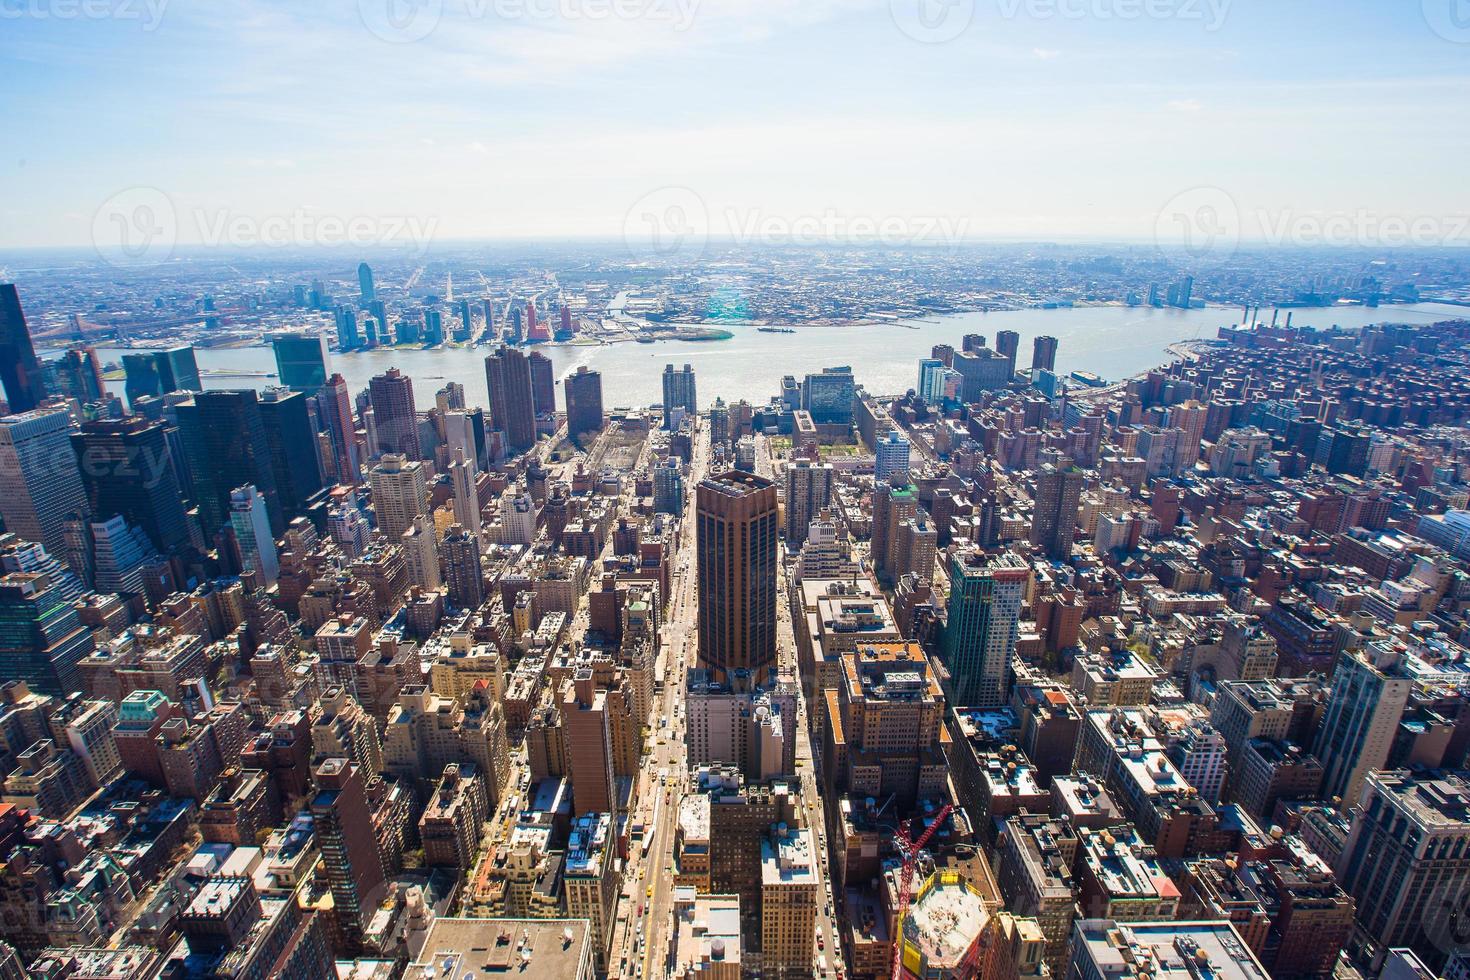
x,y
302,361
42,638
512,399
808,493
981,626
1054,516
719,423
892,505
400,493
584,402
543,384
225,446
1007,345
1044,354
391,394
931,380
124,561
460,559
679,393
735,537
158,372
892,457
366,291
1369,694
668,487
253,535
349,844
829,396
1406,861
127,470
567,325
789,900
335,405
77,374
20,370
421,554
587,728
466,498
40,484
290,440
972,342
348,336
980,371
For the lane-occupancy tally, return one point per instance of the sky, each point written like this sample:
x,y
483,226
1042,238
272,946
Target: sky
x,y
256,122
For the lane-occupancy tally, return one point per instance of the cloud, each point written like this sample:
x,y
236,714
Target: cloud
x,y
1046,54
1184,105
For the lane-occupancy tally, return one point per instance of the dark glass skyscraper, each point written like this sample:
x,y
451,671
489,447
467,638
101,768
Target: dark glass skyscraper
x,y
829,396
512,400
226,447
158,372
20,371
301,360
736,528
678,392
543,384
292,441
42,639
584,402
127,469
365,286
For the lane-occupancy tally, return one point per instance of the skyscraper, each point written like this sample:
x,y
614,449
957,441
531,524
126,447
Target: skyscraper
x,y
396,419
366,290
466,499
891,456
399,493
584,402
226,447
1369,694
301,360
460,561
1008,345
512,401
127,470
829,396
20,371
678,393
335,406
735,528
1054,517
1044,353
981,627
543,384
158,372
77,374
40,484
252,529
292,446
931,380
808,492
42,638
348,842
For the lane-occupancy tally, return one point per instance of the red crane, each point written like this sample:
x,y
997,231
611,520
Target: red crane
x,y
908,850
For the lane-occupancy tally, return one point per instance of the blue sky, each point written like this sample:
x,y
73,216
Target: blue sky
x,y
1058,119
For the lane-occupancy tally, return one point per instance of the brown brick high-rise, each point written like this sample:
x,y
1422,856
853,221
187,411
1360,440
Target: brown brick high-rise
x,y
736,530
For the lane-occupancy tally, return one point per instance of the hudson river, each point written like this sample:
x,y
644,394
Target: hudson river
x,y
1114,342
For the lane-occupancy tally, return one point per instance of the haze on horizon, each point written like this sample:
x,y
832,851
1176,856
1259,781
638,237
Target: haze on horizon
x,y
505,119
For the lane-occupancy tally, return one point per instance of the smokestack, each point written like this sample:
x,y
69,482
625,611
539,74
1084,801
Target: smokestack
x,y
1288,319
1275,312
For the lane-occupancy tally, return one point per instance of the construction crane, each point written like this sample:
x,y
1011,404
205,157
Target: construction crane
x,y
908,851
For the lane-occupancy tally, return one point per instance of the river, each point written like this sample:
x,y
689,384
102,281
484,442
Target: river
x,y
1112,341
